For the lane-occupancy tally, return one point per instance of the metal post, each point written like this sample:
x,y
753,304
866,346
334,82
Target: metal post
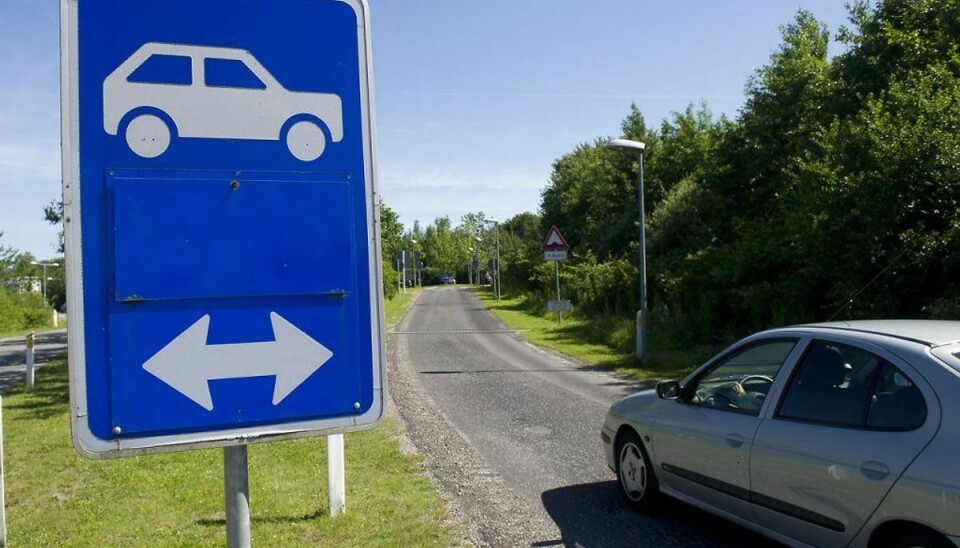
x,y
3,473
498,281
556,275
336,478
642,318
237,493
403,275
30,343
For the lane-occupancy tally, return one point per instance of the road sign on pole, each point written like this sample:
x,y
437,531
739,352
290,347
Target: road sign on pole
x,y
219,184
555,247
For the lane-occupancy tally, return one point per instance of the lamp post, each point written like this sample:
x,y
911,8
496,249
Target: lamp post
x,y
470,265
636,147
476,260
496,275
415,247
43,282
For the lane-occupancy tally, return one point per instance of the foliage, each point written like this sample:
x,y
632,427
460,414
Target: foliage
x,y
839,177
53,214
390,233
20,311
11,315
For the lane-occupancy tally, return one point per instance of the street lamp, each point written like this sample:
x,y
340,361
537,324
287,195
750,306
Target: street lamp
x,y
415,247
496,275
470,265
43,282
476,261
636,147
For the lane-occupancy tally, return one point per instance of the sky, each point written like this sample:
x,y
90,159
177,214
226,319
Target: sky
x,y
474,100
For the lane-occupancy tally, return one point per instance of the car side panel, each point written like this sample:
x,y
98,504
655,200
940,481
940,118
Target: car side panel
x,y
705,453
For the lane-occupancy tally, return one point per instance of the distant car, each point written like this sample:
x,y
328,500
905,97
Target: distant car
x,y
446,279
164,91
836,434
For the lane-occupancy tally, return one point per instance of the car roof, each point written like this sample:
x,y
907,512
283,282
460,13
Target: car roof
x,y
928,332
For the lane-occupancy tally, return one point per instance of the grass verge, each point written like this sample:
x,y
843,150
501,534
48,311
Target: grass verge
x,y
586,340
57,498
38,330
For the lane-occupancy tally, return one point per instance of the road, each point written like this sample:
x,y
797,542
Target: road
x,y
512,435
48,346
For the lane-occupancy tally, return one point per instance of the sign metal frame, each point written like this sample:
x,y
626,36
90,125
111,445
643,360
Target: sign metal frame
x,y
84,440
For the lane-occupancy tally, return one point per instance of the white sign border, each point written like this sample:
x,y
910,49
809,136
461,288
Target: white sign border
x,y
84,441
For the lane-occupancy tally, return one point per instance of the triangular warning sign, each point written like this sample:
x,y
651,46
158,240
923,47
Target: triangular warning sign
x,y
555,241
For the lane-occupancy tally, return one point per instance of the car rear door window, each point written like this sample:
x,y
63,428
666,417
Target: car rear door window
x,y
831,385
230,73
896,402
163,69
843,386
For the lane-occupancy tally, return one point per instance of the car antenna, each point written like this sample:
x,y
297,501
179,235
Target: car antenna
x,y
853,297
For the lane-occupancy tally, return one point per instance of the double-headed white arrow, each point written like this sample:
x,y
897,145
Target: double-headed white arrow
x,y
188,363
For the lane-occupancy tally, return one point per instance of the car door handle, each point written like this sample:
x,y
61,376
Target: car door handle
x,y
735,440
874,470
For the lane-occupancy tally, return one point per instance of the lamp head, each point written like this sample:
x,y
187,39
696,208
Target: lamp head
x,y
626,145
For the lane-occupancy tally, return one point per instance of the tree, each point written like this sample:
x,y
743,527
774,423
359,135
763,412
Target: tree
x,y
391,232
53,214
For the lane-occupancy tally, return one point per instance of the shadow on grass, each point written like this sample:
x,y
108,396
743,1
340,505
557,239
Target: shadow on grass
x,y
222,522
50,396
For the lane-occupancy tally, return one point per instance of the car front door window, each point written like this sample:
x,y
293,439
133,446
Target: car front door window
x,y
740,383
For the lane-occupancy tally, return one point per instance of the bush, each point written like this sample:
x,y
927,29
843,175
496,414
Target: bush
x,y
20,311
11,316
604,288
390,277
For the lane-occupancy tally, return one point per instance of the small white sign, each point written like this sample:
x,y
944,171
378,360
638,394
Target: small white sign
x,y
554,255
558,306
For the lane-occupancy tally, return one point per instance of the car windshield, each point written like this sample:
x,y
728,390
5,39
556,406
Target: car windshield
x,y
949,354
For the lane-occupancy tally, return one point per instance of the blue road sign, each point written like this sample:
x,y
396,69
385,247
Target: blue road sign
x,y
219,189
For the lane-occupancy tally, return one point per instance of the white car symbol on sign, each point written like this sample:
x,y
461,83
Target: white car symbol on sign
x,y
151,113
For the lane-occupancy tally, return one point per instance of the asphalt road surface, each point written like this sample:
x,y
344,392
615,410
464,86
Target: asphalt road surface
x,y
512,435
13,366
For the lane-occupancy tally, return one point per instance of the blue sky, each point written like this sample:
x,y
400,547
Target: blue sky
x,y
474,99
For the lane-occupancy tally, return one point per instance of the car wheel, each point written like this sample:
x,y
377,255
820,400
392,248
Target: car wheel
x,y
638,484
916,538
148,135
306,141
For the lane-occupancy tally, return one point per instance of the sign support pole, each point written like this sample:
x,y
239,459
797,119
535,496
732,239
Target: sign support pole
x,y
236,489
556,275
30,375
336,479
3,473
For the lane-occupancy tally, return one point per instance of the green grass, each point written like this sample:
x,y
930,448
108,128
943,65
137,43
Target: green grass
x,y
396,307
37,330
55,497
588,340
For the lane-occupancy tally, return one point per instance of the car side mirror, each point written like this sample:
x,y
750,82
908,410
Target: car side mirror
x,y
668,390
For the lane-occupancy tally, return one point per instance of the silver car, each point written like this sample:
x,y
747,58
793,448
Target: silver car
x,y
834,434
